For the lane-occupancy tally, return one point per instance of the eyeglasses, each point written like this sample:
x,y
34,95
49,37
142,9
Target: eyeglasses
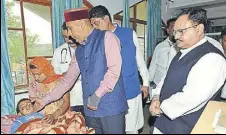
x,y
182,31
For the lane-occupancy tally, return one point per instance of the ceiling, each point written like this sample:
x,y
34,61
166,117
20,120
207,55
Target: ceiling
x,y
41,8
42,11
216,9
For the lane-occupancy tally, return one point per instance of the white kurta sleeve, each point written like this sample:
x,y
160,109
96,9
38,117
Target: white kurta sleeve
x,y
156,92
140,61
153,65
204,79
215,43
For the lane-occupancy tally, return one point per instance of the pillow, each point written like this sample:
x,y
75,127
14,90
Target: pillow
x,y
6,122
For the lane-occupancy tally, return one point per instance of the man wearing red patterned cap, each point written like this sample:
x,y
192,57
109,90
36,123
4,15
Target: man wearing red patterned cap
x,y
99,61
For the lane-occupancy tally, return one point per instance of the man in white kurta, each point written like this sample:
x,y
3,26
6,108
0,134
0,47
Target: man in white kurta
x,y
165,52
203,80
135,112
60,62
162,56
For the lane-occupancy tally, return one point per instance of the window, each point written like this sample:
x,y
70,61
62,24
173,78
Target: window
x,y
29,35
141,30
40,44
138,19
138,24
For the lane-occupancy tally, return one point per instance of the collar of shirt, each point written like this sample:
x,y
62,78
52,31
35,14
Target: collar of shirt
x,y
88,37
185,51
116,25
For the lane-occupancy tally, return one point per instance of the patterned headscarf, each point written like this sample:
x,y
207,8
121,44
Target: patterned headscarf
x,y
45,67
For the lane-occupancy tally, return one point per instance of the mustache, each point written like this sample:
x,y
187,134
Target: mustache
x,y
173,39
72,41
178,40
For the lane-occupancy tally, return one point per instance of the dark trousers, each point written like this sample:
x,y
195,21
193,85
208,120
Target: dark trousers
x,y
79,108
107,125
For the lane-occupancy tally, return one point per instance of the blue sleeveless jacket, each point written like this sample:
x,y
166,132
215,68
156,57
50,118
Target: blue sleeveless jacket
x,y
92,62
129,63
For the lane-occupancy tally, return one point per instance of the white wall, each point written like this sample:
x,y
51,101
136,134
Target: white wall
x,y
219,22
214,8
217,12
168,12
191,3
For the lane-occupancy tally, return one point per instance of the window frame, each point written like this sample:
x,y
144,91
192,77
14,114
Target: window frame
x,y
47,3
136,21
23,30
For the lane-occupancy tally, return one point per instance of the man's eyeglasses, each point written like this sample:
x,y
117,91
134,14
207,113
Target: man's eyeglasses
x,y
181,31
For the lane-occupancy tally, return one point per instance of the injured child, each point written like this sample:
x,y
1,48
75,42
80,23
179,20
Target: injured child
x,y
25,109
31,122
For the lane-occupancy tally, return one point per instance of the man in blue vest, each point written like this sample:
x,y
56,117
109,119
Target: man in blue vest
x,y
195,76
132,61
99,60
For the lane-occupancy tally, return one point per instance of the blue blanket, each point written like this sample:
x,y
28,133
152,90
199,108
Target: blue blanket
x,y
23,119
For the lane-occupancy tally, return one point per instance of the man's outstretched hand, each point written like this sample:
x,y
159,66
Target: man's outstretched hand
x,y
39,104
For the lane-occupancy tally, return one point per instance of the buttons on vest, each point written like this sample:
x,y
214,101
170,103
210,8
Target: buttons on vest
x,y
86,58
